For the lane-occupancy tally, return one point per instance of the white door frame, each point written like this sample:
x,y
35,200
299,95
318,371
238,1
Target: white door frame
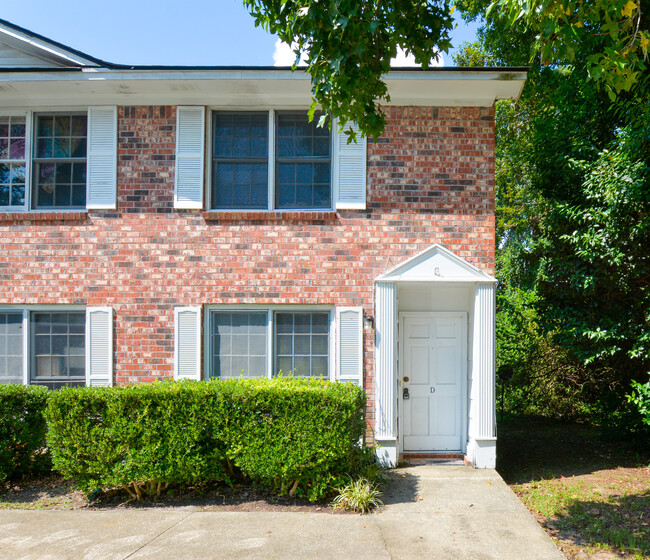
x,y
400,370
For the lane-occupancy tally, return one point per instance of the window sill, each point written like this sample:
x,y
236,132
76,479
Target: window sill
x,y
54,216
271,217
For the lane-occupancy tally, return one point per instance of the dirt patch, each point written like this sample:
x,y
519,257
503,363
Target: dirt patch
x,y
55,493
592,497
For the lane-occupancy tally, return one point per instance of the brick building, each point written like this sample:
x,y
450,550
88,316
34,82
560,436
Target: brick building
x,y
165,222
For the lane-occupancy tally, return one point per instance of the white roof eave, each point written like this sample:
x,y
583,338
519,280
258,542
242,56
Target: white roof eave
x,y
244,87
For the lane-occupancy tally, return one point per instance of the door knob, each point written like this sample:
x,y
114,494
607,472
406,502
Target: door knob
x,y
433,389
406,379
405,394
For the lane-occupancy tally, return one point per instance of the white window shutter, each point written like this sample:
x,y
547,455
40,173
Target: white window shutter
x,y
101,183
349,344
187,343
349,171
99,346
190,138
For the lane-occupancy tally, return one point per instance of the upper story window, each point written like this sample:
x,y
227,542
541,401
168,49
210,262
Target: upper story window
x,y
59,161
47,168
303,164
240,160
270,160
63,160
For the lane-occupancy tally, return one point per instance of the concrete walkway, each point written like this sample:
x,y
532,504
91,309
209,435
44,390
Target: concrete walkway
x,y
432,511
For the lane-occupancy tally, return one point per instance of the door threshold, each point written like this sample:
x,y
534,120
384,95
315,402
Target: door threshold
x,y
413,458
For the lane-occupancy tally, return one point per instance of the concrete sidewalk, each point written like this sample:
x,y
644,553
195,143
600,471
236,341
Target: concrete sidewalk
x,y
432,511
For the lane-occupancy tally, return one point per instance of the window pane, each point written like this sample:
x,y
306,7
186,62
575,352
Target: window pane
x,y
12,138
302,163
58,349
301,344
238,344
240,152
60,161
11,348
12,169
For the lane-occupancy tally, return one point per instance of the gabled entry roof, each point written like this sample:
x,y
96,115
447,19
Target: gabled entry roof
x,y
435,264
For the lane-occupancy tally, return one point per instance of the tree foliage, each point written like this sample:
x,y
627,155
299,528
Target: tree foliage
x,y
573,226
563,26
349,44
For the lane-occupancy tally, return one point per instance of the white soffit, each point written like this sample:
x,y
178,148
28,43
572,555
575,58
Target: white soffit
x,y
242,87
435,264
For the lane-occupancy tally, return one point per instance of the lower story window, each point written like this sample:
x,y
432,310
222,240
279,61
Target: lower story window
x,y
58,349
11,348
57,343
302,343
239,343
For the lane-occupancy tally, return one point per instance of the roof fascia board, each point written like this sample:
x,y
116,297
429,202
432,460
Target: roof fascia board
x,y
250,86
262,72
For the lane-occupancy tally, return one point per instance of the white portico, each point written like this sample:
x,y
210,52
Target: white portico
x,y
435,359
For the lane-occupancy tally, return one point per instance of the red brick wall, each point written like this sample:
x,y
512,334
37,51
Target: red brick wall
x,y
430,180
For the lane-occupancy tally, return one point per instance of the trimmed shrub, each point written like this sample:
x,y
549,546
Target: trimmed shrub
x,y
22,431
294,435
140,437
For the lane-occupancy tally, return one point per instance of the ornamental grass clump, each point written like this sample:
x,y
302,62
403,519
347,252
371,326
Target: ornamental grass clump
x,y
360,495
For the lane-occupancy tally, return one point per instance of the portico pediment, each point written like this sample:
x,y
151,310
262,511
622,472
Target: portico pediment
x,y
435,264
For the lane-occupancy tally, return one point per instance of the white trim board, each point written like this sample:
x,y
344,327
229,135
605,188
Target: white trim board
x,y
245,88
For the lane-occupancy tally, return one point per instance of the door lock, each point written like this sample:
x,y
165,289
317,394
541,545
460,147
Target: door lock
x,y
406,379
405,394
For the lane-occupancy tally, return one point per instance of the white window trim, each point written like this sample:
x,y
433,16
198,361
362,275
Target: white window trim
x,y
27,310
270,312
271,162
30,116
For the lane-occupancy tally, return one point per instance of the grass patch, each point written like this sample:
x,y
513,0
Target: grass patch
x,y
593,498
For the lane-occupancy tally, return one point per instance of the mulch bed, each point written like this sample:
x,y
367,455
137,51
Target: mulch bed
x,y
55,493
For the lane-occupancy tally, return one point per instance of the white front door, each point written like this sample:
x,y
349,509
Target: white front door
x,y
432,369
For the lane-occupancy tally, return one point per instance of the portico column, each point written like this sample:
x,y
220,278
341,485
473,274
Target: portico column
x,y
385,374
481,449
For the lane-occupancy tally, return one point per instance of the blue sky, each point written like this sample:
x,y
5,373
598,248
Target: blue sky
x,y
196,32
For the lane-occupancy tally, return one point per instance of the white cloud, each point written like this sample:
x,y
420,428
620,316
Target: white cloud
x,y
403,60
284,56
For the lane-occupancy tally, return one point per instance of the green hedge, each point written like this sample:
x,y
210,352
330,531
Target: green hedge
x,y
22,431
294,435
